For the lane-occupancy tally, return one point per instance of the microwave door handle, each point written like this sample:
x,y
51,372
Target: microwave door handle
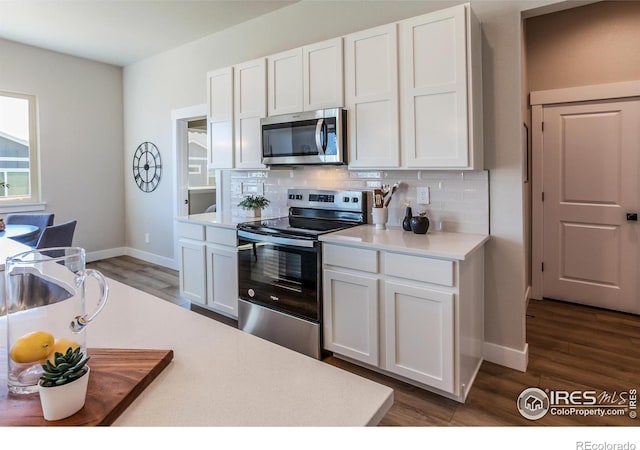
x,y
319,144
325,128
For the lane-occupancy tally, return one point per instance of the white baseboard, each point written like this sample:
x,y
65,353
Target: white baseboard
x,y
104,254
153,258
121,251
506,356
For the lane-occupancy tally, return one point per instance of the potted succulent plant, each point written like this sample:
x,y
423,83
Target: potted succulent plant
x,y
254,204
63,385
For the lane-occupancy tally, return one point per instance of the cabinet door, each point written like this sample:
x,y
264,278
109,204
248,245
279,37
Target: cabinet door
x,y
371,86
220,97
222,280
250,105
193,283
434,81
285,82
419,326
350,313
323,84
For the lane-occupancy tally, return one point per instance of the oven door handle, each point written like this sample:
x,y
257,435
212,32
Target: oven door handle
x,y
276,239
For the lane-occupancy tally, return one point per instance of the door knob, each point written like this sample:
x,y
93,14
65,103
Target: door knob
x,y
632,216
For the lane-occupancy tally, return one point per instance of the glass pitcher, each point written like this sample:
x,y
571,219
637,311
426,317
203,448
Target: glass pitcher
x,y
45,308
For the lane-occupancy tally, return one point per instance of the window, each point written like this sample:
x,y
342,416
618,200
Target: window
x,y
19,174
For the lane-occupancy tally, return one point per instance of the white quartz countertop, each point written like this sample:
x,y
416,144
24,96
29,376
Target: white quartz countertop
x,y
9,247
433,244
212,219
221,376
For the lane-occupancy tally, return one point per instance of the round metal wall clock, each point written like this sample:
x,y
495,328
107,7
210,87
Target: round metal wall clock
x,y
147,167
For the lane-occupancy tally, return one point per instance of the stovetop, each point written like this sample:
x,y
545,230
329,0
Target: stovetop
x,y
296,226
314,212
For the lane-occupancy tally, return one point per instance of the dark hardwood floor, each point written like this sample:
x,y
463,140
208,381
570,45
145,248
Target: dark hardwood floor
x,y
571,347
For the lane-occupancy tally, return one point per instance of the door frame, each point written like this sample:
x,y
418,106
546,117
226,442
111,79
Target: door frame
x,y
538,100
179,122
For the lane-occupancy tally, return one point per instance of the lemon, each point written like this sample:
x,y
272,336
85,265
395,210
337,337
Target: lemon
x,y
32,347
61,345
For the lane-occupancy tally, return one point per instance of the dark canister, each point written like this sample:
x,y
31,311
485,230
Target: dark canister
x,y
406,222
420,224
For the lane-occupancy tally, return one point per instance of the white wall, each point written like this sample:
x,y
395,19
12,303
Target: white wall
x,y
176,79
80,138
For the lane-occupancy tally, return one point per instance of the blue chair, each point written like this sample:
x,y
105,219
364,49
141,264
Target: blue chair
x,y
41,221
57,235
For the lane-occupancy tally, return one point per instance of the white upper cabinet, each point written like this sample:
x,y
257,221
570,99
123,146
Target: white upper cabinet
x,y
285,82
306,78
250,104
322,77
439,77
220,120
371,91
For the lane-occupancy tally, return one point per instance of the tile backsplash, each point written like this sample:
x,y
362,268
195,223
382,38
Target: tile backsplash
x,y
459,200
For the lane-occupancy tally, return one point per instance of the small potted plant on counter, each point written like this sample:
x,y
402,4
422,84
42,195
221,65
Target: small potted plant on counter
x,y
253,205
63,385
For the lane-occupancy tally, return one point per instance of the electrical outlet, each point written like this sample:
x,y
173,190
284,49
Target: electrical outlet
x,y
146,238
423,195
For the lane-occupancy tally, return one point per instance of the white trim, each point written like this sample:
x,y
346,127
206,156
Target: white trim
x,y
586,93
153,258
537,209
179,118
104,254
527,296
135,253
507,356
22,207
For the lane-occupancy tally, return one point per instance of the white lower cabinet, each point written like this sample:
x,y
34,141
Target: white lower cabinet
x,y
419,334
416,318
209,267
351,315
222,279
193,282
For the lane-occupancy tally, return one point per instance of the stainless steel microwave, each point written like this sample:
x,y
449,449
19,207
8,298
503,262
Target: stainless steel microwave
x,y
311,137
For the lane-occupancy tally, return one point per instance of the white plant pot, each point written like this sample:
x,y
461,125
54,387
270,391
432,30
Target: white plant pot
x,y
63,401
252,213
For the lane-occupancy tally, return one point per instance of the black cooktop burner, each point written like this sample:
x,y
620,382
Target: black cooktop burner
x,y
297,226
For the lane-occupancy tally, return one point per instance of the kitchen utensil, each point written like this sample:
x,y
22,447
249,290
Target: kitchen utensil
x,y
390,194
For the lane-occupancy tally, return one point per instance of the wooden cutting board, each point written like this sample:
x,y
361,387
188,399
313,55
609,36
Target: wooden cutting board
x,y
117,377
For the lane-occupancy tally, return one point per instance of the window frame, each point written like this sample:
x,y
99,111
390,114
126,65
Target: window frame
x,y
33,201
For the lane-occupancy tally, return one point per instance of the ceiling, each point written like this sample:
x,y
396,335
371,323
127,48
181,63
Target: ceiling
x,y
121,32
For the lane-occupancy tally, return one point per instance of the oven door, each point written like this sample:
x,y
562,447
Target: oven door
x,y
280,273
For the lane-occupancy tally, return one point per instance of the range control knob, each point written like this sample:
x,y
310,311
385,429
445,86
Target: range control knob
x,y
298,196
291,196
354,199
346,199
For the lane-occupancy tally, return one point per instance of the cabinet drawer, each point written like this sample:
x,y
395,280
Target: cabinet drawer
x,y
351,258
418,268
191,231
222,236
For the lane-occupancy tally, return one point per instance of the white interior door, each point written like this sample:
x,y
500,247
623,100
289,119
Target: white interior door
x,y
590,184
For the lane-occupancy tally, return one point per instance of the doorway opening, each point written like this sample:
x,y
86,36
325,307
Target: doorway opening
x,y
201,181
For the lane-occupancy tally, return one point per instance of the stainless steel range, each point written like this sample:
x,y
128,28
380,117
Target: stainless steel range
x,y
280,267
